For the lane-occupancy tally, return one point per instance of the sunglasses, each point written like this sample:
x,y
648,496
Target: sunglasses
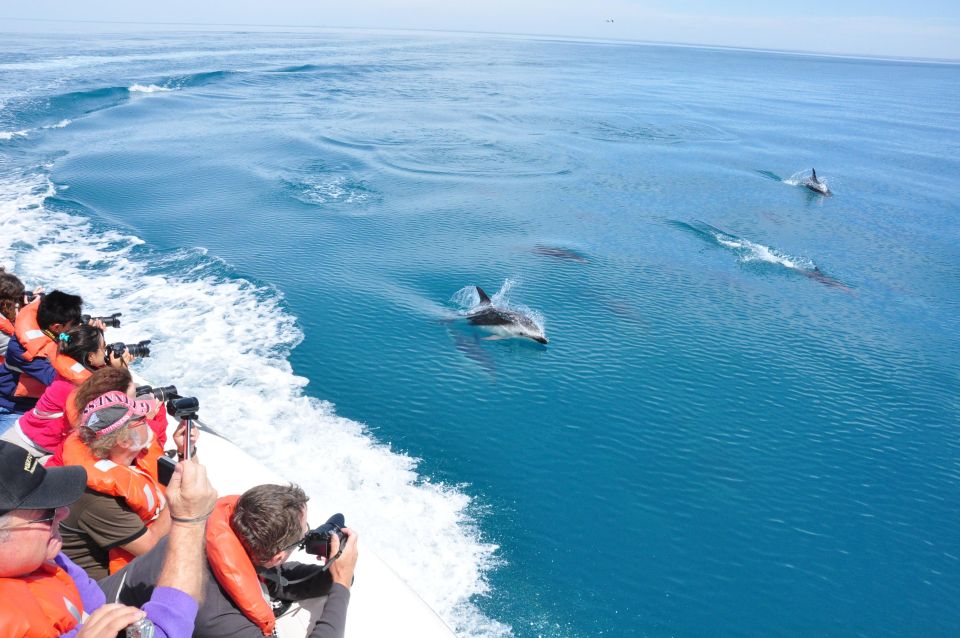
x,y
49,516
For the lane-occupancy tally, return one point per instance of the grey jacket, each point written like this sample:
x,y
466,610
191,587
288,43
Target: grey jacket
x,y
218,616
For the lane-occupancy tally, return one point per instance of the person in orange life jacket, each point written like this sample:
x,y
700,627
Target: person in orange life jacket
x,y
42,429
12,293
12,296
43,594
31,351
100,382
123,512
249,540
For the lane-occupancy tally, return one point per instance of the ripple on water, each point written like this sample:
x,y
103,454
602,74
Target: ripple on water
x,y
631,128
451,153
331,187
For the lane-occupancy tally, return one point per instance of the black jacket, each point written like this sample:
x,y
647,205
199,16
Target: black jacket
x,y
218,616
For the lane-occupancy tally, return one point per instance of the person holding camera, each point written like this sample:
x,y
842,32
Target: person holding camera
x,y
44,594
248,582
82,351
28,364
12,292
123,512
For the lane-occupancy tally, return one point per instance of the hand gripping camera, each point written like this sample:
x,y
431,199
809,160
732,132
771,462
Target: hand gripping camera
x,y
137,350
162,393
317,541
113,321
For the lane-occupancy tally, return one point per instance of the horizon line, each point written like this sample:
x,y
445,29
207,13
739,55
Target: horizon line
x,y
695,45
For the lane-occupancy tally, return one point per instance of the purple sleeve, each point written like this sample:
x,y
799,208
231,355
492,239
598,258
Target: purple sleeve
x,y
90,593
172,612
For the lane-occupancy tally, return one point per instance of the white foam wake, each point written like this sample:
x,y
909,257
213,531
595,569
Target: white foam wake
x,y
9,135
750,251
226,341
148,88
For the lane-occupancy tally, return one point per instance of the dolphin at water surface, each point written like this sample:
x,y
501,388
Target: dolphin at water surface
x,y
816,184
507,322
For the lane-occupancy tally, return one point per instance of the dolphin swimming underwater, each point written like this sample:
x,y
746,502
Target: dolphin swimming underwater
x,y
815,184
509,323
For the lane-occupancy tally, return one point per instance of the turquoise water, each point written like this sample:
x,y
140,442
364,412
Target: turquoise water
x,y
745,422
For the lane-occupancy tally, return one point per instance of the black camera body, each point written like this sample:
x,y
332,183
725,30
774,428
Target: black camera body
x,y
30,296
317,541
163,393
183,407
113,321
137,350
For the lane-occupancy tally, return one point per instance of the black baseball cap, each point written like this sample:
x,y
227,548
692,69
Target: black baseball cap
x,y
26,485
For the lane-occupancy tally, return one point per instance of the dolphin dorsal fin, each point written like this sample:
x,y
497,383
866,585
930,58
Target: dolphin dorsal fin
x,y
815,175
483,296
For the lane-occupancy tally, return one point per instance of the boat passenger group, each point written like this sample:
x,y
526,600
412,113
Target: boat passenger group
x,y
130,553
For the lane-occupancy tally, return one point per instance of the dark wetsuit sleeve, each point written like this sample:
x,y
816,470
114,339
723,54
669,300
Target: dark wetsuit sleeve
x,y
333,620
317,584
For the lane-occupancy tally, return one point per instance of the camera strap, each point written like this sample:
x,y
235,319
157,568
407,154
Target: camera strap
x,y
274,576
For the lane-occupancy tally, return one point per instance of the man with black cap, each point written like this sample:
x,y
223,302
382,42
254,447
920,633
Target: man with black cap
x,y
43,593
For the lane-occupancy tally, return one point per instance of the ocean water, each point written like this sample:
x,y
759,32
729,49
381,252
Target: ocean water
x,y
746,420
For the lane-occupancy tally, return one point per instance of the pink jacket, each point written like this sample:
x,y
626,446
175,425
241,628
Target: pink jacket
x,y
46,424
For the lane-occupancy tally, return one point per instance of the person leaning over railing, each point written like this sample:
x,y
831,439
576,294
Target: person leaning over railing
x,y
12,297
107,379
42,429
28,366
12,293
43,594
123,512
249,539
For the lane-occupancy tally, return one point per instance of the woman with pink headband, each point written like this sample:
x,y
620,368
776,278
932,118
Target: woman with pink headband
x,y
123,513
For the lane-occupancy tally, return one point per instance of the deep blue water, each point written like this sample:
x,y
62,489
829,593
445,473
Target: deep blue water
x,y
746,420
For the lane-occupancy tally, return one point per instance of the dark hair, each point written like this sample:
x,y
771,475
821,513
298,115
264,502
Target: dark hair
x,y
81,342
58,307
11,294
100,382
267,519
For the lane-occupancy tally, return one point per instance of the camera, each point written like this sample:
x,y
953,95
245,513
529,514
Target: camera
x,y
317,541
162,393
30,296
183,407
138,350
143,628
113,321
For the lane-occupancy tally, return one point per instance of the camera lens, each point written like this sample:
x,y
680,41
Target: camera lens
x,y
183,407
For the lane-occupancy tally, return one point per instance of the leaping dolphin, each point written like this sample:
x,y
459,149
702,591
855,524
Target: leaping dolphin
x,y
815,184
507,322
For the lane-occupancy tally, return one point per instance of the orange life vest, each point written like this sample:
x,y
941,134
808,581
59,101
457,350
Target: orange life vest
x,y
6,327
136,484
36,344
44,604
232,567
35,341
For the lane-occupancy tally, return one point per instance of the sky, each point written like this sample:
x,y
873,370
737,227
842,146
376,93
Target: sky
x,y
918,28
